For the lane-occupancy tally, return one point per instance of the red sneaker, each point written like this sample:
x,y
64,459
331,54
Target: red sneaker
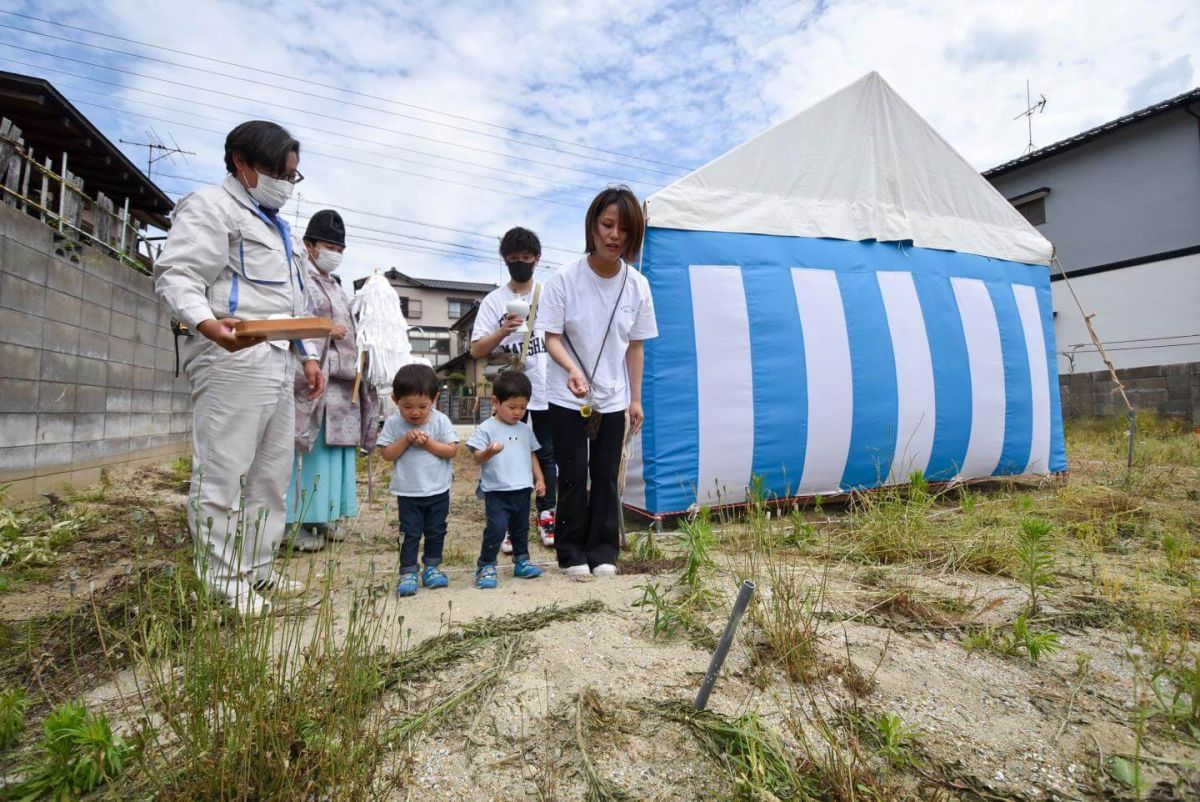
x,y
546,528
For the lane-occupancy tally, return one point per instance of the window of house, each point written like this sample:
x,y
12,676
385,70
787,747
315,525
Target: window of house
x,y
411,307
1034,211
457,307
430,346
1032,205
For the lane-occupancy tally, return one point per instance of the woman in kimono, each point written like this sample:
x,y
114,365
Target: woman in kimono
x,y
332,428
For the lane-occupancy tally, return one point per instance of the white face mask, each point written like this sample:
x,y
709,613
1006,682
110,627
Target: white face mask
x,y
328,261
271,193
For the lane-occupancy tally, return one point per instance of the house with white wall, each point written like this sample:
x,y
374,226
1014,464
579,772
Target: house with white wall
x,y
1121,204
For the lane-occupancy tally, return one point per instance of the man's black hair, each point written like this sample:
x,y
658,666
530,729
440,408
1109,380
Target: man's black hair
x,y
520,240
415,380
262,144
511,384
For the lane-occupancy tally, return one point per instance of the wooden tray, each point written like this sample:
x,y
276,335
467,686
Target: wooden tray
x,y
288,328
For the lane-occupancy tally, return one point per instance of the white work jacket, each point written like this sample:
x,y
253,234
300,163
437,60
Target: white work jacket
x,y
225,257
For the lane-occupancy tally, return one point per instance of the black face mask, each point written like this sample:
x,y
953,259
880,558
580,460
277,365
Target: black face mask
x,y
520,271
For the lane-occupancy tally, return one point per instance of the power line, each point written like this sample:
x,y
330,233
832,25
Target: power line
x,y
352,161
410,221
343,89
488,255
344,102
390,156
307,112
303,126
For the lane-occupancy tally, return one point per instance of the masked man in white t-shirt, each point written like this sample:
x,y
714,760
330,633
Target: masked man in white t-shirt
x,y
496,335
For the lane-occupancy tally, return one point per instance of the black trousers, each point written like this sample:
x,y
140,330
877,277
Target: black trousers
x,y
540,421
586,529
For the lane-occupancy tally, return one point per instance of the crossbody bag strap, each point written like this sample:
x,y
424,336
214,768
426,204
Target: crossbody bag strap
x,y
530,322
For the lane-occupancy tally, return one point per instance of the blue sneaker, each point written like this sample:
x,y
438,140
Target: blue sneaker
x,y
407,586
432,577
523,569
485,577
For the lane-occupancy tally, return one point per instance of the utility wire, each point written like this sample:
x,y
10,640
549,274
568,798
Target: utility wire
x,y
480,253
351,161
308,112
302,126
306,141
335,100
343,208
342,89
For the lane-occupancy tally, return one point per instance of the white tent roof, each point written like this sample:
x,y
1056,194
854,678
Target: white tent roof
x,y
861,164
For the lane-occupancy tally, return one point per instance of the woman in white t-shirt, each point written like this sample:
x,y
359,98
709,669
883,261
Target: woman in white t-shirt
x,y
597,314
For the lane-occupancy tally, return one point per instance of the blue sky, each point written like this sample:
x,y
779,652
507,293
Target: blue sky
x,y
463,119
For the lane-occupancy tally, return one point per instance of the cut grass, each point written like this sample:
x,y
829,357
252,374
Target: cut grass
x,y
441,651
747,751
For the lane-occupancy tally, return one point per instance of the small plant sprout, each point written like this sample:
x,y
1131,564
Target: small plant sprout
x,y
1034,558
894,740
1034,642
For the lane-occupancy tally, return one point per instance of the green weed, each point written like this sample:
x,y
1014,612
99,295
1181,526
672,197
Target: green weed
x,y
1034,558
888,737
13,704
1019,638
747,750
78,754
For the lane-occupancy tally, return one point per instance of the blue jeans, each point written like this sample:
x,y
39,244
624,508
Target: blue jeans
x,y
507,511
422,515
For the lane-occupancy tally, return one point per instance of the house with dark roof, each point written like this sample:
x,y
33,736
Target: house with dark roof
x,y
45,139
431,307
1121,204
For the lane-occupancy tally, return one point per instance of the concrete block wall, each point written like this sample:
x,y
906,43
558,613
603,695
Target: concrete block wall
x,y
87,364
1167,390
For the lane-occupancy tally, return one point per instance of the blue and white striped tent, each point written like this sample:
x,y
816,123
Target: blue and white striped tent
x,y
842,301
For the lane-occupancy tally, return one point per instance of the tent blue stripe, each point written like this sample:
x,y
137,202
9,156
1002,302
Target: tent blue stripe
x,y
951,375
671,461
1018,392
671,458
780,379
873,367
1058,445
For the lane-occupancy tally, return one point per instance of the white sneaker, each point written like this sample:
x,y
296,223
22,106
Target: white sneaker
x,y
249,604
303,539
506,546
605,569
335,533
279,586
577,570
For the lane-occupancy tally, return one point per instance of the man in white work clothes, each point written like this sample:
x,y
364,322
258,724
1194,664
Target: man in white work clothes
x,y
228,257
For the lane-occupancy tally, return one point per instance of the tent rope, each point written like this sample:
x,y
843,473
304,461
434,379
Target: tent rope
x,y
1112,370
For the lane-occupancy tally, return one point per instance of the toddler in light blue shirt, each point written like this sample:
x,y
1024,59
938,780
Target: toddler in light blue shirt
x,y
420,442
504,447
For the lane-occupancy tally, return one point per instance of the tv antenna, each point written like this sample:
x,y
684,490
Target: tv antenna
x,y
157,150
1031,109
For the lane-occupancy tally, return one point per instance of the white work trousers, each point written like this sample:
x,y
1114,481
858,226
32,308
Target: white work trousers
x,y
243,439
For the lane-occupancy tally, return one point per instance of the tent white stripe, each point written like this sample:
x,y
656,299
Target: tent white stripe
x,y
914,375
1039,379
986,359
724,383
830,383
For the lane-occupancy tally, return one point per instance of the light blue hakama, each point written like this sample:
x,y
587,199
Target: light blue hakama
x,y
333,496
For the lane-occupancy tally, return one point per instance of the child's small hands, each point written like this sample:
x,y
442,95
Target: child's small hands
x,y
496,448
540,488
414,436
